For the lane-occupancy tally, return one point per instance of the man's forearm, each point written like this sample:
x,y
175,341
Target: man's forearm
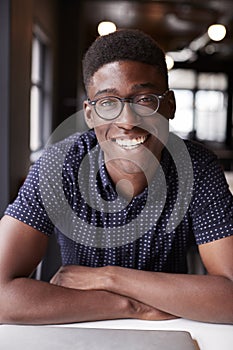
x,y
204,298
34,302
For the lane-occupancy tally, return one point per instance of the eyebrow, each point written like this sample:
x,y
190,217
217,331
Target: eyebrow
x,y
106,91
135,88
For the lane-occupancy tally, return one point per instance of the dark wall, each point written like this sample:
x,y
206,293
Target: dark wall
x,y
4,102
19,103
71,49
19,16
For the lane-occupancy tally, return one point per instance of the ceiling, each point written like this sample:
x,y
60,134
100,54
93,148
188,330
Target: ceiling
x,y
176,24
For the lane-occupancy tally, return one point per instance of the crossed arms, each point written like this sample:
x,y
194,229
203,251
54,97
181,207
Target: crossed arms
x,y
77,294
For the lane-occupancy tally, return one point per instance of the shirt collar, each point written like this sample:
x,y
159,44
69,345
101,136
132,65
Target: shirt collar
x,y
107,186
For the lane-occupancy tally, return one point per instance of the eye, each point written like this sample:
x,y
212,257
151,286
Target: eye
x,y
107,102
145,99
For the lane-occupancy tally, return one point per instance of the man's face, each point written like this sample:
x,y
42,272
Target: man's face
x,y
131,143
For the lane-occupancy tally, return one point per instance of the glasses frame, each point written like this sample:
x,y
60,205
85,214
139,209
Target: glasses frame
x,y
129,100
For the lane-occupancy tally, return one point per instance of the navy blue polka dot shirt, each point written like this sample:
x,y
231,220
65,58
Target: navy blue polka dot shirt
x,y
68,192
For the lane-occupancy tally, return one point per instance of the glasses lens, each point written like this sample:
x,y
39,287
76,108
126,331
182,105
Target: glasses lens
x,y
108,107
145,105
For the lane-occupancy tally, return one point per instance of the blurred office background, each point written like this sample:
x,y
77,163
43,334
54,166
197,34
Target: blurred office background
x,y
41,47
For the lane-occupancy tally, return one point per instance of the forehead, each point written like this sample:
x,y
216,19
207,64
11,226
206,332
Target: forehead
x,y
126,76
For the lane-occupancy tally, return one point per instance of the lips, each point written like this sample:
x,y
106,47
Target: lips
x,y
130,143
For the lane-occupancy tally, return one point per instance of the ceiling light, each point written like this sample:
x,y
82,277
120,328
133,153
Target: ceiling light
x,y
217,32
106,27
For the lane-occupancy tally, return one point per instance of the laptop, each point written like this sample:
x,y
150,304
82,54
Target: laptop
x,y
14,337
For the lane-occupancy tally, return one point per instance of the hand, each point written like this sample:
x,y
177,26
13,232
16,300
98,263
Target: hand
x,y
78,277
145,312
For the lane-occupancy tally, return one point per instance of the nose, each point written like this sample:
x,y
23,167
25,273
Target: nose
x,y
128,119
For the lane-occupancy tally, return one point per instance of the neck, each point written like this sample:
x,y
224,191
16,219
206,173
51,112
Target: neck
x,y
129,185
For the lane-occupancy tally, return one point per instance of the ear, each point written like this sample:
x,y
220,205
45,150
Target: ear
x,y
171,104
88,115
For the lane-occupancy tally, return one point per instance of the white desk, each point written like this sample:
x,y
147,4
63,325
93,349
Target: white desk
x,y
206,336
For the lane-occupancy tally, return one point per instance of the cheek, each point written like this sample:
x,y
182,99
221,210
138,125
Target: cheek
x,y
101,130
98,123
158,126
100,126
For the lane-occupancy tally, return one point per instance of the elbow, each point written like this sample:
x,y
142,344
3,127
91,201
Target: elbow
x,y
5,316
8,311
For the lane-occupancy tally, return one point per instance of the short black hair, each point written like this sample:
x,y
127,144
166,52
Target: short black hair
x,y
123,44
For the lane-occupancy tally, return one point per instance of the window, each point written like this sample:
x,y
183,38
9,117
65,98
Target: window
x,y
182,124
211,107
40,104
183,83
201,104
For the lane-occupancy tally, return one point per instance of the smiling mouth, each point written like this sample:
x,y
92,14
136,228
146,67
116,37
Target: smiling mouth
x,y
131,143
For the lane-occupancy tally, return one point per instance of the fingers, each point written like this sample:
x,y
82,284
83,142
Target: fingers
x,y
146,312
61,277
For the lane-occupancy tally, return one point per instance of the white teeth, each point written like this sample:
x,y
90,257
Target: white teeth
x,y
130,143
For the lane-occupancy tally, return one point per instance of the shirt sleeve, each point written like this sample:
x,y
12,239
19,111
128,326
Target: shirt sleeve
x,y
212,205
28,207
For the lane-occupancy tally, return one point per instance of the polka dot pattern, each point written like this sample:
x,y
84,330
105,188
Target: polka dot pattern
x,y
139,241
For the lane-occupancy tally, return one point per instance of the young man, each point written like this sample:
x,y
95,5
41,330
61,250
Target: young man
x,y
126,201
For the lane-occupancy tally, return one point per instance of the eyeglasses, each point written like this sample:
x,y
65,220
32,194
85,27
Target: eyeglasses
x,y
110,107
